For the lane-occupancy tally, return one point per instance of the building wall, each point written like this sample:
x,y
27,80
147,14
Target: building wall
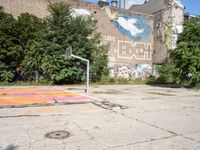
x,y
131,42
129,48
177,21
168,20
159,48
128,34
129,56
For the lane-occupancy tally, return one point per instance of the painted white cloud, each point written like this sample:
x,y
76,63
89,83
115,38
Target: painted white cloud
x,y
80,12
129,25
132,2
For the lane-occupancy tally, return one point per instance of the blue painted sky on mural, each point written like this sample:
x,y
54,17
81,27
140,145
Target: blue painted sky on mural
x,y
135,27
192,6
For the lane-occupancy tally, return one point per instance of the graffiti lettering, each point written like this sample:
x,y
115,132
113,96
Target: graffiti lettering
x,y
138,71
134,50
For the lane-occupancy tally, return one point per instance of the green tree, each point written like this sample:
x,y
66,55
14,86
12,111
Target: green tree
x,y
167,73
8,46
45,60
186,55
16,36
27,27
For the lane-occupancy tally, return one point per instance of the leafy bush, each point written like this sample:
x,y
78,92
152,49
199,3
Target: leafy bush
x,y
16,37
167,73
186,56
6,76
8,46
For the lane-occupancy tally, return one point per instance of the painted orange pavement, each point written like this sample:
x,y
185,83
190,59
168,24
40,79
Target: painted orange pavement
x,y
27,96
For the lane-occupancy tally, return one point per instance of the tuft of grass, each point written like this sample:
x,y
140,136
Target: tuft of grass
x,y
105,80
197,87
196,95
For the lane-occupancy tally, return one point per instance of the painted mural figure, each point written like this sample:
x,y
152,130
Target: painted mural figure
x,y
135,27
129,25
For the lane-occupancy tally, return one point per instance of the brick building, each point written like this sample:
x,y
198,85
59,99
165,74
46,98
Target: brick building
x,y
131,34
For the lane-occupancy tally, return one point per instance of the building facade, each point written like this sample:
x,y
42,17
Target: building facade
x,y
168,21
138,37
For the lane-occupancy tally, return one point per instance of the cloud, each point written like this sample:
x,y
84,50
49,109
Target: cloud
x,y
80,12
129,25
135,27
132,2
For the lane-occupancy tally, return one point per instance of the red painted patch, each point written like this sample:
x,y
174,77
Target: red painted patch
x,y
15,97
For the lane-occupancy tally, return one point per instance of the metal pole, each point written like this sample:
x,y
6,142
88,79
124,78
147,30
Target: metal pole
x,y
88,74
88,71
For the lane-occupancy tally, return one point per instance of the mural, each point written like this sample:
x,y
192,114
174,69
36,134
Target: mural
x,y
134,26
16,97
134,50
138,71
80,12
141,71
124,72
129,50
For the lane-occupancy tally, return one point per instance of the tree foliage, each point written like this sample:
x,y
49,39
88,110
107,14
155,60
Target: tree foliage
x,y
38,46
16,36
8,46
27,27
167,73
186,55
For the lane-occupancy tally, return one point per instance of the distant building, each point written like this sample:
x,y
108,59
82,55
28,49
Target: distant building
x,y
189,16
114,3
103,3
168,21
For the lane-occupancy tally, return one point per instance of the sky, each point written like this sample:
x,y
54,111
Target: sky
x,y
192,6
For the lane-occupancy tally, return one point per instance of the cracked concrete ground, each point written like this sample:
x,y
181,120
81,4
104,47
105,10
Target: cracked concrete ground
x,y
123,117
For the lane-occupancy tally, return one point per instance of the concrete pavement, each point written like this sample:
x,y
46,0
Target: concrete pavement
x,y
122,117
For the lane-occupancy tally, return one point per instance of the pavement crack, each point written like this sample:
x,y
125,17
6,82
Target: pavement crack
x,y
152,125
29,138
17,116
155,126
189,138
191,132
141,142
65,125
64,146
85,131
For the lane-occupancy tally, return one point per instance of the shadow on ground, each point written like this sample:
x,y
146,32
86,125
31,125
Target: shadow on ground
x,y
11,147
166,85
